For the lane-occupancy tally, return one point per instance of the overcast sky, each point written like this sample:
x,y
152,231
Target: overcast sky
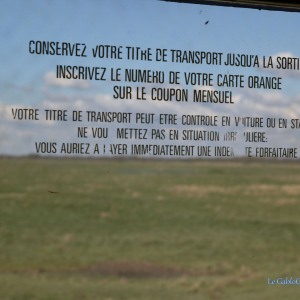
x,y
29,81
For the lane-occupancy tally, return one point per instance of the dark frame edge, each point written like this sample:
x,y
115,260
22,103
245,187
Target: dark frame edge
x,y
290,6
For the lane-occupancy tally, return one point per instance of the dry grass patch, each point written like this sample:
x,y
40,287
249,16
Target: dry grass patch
x,y
200,190
248,190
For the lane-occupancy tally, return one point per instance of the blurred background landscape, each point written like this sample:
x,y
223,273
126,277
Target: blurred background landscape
x,y
148,229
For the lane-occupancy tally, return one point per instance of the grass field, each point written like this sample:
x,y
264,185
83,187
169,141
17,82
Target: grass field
x,y
142,229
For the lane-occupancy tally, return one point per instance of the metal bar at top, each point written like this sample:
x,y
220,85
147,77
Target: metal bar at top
x,y
268,5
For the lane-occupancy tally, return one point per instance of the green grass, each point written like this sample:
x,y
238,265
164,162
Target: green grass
x,y
142,229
